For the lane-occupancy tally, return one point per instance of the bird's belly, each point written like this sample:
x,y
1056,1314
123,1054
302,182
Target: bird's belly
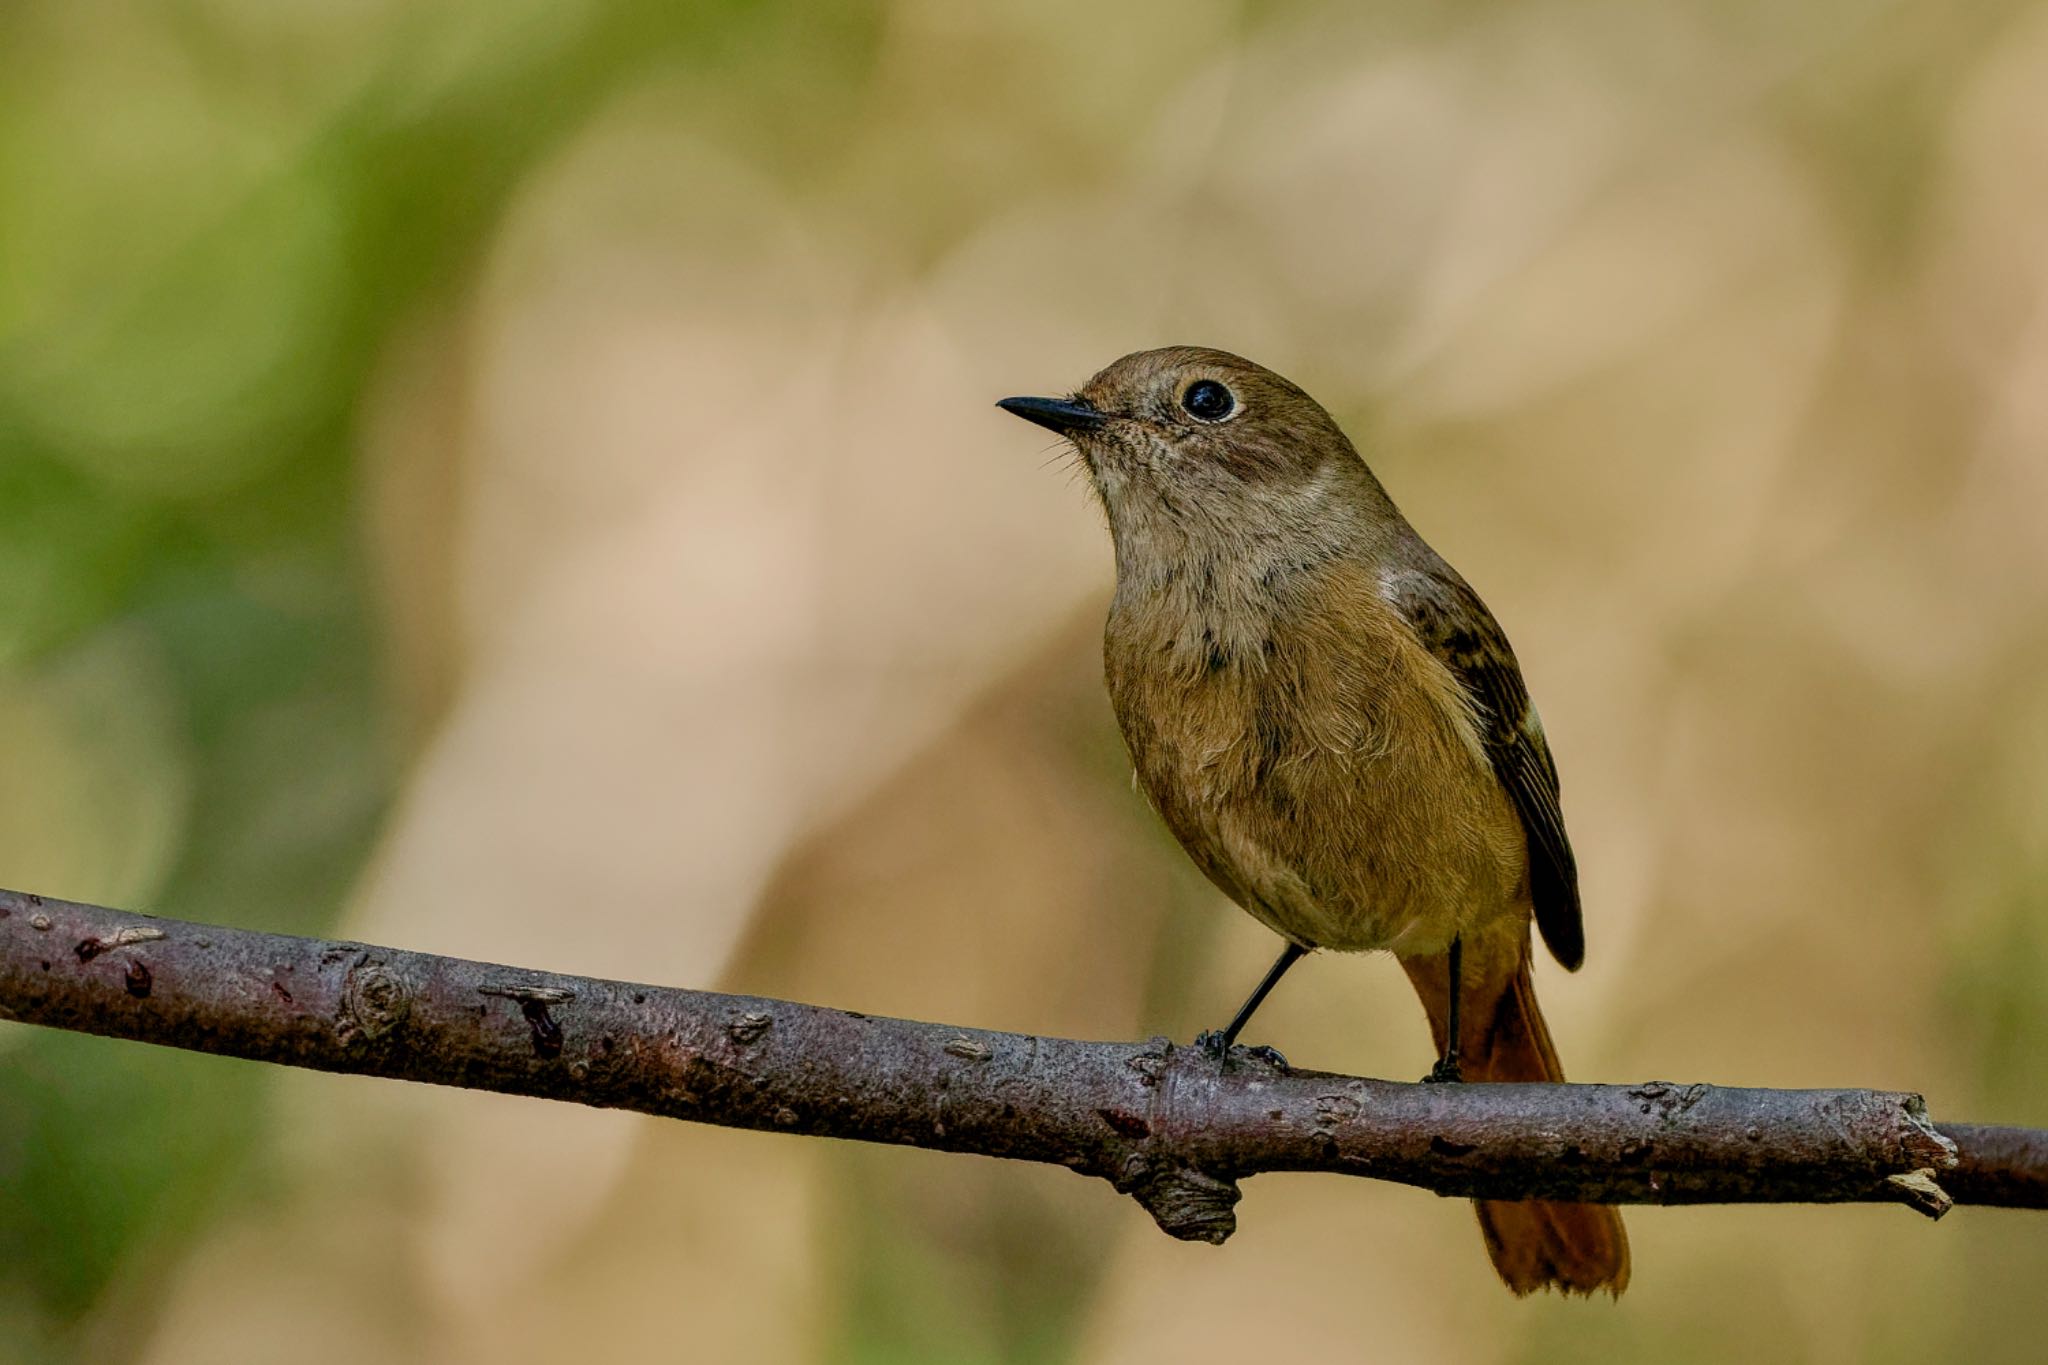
x,y
1365,820
1391,882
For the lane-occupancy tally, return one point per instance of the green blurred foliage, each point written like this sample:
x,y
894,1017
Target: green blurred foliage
x,y
215,217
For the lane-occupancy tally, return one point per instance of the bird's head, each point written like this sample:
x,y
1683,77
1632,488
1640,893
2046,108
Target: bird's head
x,y
1188,433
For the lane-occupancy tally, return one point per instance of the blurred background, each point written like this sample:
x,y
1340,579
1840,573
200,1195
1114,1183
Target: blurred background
x,y
519,479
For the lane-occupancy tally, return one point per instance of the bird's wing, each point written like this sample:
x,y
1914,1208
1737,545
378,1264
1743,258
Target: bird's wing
x,y
1458,629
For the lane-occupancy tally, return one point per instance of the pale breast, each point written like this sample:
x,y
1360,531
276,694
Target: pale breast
x,y
1320,766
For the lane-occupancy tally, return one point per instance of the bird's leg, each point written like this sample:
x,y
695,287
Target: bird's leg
x,y
1447,1068
1218,1045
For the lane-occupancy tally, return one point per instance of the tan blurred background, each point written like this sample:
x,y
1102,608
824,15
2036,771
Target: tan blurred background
x,y
519,479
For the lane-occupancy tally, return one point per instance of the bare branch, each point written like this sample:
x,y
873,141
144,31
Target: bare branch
x,y
1162,1123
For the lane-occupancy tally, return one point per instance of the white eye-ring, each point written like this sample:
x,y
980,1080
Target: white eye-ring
x,y
1209,400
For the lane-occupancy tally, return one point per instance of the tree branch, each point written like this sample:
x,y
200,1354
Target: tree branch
x,y
1162,1123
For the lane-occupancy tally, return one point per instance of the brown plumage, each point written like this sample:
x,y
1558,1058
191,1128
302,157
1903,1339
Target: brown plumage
x,y
1332,724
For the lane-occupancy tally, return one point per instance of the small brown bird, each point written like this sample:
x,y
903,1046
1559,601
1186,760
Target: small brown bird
x,y
1331,722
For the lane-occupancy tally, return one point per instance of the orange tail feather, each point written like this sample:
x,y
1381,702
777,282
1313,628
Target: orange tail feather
x,y
1535,1244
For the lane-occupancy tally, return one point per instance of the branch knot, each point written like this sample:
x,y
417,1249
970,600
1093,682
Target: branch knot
x,y
1184,1201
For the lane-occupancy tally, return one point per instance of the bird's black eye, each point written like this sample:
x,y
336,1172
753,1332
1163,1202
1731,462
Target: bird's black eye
x,y
1208,401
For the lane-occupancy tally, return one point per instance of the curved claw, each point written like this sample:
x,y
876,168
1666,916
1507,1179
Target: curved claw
x,y
1445,1072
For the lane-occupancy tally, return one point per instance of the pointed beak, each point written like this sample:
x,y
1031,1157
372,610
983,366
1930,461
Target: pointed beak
x,y
1064,415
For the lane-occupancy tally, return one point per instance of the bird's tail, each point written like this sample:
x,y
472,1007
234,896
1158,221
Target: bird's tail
x,y
1535,1243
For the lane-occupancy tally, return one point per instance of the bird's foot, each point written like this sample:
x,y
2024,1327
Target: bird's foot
x,y
1445,1072
1211,1042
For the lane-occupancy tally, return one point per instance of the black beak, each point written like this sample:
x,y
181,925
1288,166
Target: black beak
x,y
1064,415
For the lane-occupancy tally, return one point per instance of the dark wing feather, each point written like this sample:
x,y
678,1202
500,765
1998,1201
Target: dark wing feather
x,y
1456,627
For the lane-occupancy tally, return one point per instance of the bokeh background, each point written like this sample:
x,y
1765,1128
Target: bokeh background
x,y
518,479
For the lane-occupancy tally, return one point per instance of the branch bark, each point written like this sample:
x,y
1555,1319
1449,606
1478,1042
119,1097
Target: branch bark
x,y
1162,1123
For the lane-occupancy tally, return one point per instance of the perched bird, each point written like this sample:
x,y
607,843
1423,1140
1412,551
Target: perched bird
x,y
1333,725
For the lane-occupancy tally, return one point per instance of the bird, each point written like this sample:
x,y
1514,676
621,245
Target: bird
x,y
1334,727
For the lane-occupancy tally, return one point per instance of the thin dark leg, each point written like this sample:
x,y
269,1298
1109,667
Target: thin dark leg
x,y
1447,1068
1220,1043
